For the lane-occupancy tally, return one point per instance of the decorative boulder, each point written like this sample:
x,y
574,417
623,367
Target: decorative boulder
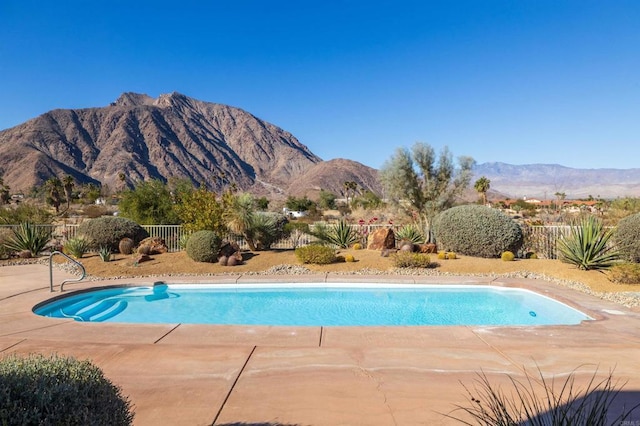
x,y
228,249
380,239
156,245
427,248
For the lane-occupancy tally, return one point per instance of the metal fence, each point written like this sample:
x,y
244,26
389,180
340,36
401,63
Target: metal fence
x,y
542,240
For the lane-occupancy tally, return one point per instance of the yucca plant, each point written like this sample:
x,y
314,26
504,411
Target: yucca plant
x,y
77,247
30,237
410,233
587,245
540,402
341,234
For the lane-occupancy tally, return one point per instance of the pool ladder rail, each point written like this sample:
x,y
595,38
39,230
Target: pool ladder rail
x,y
71,280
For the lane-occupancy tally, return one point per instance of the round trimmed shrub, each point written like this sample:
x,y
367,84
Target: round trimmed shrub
x,y
204,246
627,238
38,390
107,231
478,231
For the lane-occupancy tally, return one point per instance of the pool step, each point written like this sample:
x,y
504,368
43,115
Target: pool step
x,y
102,309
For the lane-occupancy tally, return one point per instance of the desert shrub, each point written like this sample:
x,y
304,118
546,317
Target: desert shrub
x,y
508,256
30,237
316,254
265,229
204,246
536,401
184,238
107,231
627,238
587,245
340,234
5,235
76,247
625,273
38,390
93,211
295,232
126,245
477,231
407,259
25,212
410,233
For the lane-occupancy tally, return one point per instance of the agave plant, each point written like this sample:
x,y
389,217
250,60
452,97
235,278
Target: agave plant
x,y
105,253
410,233
30,237
77,247
341,234
587,245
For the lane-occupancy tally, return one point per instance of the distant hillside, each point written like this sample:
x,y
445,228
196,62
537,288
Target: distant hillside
x,y
544,180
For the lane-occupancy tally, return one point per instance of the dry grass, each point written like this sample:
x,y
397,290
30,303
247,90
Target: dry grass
x,y
179,263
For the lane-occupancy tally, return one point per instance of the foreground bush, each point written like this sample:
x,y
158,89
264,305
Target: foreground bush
x,y
340,234
76,247
36,390
410,233
477,231
407,259
316,254
627,238
108,231
537,401
625,273
587,245
204,246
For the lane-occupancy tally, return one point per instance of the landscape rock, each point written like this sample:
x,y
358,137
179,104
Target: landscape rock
x,y
383,238
156,245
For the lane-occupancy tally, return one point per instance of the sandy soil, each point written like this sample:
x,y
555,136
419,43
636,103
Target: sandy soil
x,y
179,263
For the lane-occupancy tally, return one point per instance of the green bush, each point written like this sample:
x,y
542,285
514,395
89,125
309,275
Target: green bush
x,y
587,245
625,273
407,259
76,247
204,246
410,233
107,231
627,238
38,390
317,254
477,231
29,237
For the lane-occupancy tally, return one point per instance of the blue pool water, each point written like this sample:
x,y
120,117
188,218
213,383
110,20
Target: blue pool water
x,y
309,305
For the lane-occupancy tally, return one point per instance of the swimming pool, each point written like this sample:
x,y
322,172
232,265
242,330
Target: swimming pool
x,y
293,304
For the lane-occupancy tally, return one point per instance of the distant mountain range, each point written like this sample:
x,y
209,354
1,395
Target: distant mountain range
x,y
544,180
138,137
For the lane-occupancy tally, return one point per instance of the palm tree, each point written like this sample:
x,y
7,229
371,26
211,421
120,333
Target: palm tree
x,y
239,214
67,184
482,185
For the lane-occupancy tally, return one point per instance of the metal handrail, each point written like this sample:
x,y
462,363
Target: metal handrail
x,y
84,272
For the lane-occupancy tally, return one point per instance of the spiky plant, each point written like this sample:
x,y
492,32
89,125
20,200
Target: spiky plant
x,y
30,237
410,233
587,245
77,247
340,234
536,401
105,253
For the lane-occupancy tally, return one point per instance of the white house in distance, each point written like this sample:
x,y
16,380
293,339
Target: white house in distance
x,y
293,213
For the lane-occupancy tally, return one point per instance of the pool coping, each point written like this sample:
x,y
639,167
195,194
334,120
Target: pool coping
x,y
311,366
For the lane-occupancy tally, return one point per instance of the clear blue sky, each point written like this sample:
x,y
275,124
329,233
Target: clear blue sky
x,y
516,81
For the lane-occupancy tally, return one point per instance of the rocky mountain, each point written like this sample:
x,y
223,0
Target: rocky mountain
x,y
138,137
544,180
331,176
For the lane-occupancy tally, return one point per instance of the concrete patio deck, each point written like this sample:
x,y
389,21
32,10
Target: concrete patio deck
x,y
179,374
